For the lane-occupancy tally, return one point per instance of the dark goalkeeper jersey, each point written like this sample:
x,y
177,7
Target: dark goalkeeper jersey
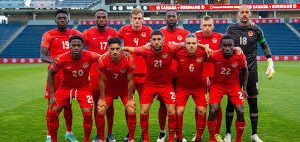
x,y
247,38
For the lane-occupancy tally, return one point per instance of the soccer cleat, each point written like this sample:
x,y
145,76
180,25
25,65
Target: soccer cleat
x,y
48,139
227,137
70,137
126,138
183,140
110,138
162,137
194,139
255,138
96,139
218,138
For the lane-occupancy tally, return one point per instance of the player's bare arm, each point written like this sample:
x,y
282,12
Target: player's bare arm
x,y
131,102
270,70
44,55
101,106
244,72
52,99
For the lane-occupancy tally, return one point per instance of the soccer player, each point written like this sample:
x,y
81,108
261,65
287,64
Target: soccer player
x,y
228,66
116,71
246,36
136,34
190,83
209,40
158,81
96,39
172,33
75,65
54,43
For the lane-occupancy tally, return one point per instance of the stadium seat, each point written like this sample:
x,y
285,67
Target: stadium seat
x,y
7,30
296,26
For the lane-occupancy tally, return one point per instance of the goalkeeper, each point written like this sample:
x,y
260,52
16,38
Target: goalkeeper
x,y
247,35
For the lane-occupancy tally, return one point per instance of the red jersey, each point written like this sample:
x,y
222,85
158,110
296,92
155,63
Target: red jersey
x,y
116,73
97,41
227,70
75,72
135,39
158,65
213,41
57,42
177,35
190,68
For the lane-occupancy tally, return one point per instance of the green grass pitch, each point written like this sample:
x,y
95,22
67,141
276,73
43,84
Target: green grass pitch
x,y
22,107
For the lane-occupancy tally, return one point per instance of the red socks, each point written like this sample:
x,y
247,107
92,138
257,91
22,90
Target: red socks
x,y
87,125
100,123
179,127
162,115
53,124
219,120
144,121
239,126
212,125
110,112
131,125
68,114
200,125
172,127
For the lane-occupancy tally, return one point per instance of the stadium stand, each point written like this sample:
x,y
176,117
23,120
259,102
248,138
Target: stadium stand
x,y
11,3
7,30
296,26
74,3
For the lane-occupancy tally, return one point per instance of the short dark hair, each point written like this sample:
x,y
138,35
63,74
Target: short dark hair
x,y
190,35
61,11
76,37
114,40
156,32
170,11
226,37
101,9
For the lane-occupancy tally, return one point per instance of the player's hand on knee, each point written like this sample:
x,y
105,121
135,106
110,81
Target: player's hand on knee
x,y
101,106
270,70
245,94
130,106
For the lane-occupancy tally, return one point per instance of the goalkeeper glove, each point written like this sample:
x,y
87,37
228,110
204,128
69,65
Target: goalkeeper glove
x,y
270,70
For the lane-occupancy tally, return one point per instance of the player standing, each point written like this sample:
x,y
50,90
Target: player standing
x,y
135,35
54,43
75,65
116,70
172,33
246,36
190,83
158,81
96,39
228,66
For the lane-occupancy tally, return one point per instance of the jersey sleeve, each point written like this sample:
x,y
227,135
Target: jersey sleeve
x,y
261,38
85,37
139,50
95,56
46,40
101,64
120,34
174,47
243,61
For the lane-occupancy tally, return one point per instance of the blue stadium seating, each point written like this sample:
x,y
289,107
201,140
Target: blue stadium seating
x,y
74,3
221,28
27,44
281,39
296,26
7,30
155,26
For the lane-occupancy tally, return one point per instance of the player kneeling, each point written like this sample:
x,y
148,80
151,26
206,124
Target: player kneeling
x,y
228,66
116,79
75,65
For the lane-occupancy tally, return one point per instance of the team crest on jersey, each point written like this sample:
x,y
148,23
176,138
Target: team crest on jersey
x,y
179,37
123,71
143,34
199,60
164,55
250,33
234,64
214,40
85,65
